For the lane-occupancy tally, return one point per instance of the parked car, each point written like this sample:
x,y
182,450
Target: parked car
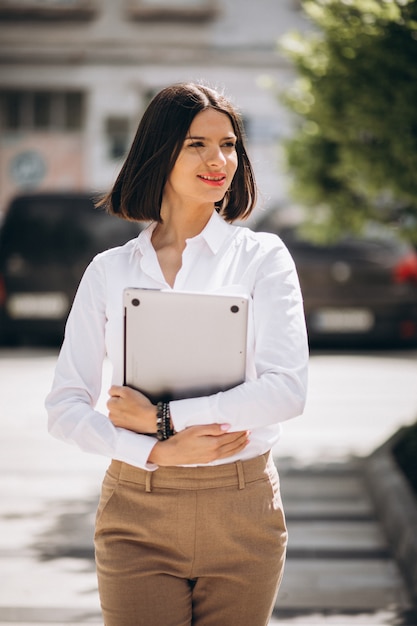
x,y
46,242
358,290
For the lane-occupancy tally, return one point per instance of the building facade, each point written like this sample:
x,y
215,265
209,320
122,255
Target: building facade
x,y
76,75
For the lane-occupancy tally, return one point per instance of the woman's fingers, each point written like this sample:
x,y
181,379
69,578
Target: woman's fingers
x,y
131,409
198,444
116,391
230,447
225,444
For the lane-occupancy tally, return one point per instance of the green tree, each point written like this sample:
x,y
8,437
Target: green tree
x,y
354,153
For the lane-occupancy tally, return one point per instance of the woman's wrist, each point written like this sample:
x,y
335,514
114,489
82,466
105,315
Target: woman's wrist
x,y
149,424
154,455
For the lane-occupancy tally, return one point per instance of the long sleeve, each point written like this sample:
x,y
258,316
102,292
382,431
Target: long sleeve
x,y
77,382
277,390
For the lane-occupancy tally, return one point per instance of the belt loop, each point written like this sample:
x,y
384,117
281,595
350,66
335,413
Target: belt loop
x,y
240,474
148,482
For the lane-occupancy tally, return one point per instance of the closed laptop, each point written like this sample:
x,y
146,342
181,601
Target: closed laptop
x,y
183,344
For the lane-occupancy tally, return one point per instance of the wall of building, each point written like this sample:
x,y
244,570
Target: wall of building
x,y
116,60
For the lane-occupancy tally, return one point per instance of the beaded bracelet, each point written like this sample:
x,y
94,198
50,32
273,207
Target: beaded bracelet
x,y
163,421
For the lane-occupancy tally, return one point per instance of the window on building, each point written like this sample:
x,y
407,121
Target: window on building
x,y
41,110
117,132
47,9
172,9
74,110
10,110
264,128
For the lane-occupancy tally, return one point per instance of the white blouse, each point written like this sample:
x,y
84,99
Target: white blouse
x,y
222,257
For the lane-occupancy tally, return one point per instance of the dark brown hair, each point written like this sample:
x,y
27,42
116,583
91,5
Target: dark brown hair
x,y
137,192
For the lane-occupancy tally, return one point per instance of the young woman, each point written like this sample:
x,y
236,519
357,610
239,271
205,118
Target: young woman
x,y
190,528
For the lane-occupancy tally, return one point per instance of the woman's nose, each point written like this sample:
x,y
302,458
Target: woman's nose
x,y
216,156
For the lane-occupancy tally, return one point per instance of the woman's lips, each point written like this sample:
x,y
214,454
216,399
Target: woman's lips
x,y
214,180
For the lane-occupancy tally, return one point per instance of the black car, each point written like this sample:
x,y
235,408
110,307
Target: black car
x,y
46,242
361,289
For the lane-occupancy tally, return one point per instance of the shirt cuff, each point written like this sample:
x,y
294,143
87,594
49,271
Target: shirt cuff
x,y
192,412
134,449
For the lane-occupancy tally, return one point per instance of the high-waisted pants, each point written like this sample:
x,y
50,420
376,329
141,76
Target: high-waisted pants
x,y
182,546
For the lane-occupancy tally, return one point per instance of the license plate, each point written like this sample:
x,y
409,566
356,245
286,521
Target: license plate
x,y
37,306
343,320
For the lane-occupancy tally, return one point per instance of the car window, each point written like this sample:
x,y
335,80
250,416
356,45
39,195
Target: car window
x,y
61,229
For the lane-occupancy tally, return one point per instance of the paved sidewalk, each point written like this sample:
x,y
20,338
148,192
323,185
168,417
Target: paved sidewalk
x,y
339,571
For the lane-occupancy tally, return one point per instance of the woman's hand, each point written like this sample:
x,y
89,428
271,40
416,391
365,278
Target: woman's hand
x,y
132,410
199,444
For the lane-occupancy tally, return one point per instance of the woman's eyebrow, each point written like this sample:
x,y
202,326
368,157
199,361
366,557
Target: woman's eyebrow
x,y
231,136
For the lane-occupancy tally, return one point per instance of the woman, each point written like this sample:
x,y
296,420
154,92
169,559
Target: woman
x,y
190,527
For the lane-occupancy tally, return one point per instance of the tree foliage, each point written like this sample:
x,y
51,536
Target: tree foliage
x,y
354,154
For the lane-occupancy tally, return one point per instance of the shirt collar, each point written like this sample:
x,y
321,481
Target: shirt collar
x,y
214,234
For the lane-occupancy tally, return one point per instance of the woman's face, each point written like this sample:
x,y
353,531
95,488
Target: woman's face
x,y
207,162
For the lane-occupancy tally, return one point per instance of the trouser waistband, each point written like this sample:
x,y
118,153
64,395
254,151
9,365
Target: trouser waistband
x,y
236,474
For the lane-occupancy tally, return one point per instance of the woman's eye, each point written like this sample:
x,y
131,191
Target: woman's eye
x,y
196,144
229,144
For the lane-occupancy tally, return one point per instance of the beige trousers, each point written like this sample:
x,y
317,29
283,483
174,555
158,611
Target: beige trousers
x,y
182,546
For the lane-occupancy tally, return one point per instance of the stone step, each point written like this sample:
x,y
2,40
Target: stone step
x,y
318,494
335,510
52,616
340,539
338,559
345,584
334,618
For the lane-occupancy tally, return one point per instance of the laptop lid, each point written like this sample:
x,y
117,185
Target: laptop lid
x,y
181,344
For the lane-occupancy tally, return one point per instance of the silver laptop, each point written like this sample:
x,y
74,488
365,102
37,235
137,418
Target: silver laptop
x,y
181,344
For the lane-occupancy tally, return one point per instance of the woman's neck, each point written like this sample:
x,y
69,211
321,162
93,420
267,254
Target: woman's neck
x,y
178,226
169,238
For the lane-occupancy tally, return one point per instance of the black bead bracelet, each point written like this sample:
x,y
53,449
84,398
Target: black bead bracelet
x,y
163,421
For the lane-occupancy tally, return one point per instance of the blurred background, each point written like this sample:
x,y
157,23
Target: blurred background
x,y
76,75
327,90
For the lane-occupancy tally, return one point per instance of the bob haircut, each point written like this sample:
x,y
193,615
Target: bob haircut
x,y
137,192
